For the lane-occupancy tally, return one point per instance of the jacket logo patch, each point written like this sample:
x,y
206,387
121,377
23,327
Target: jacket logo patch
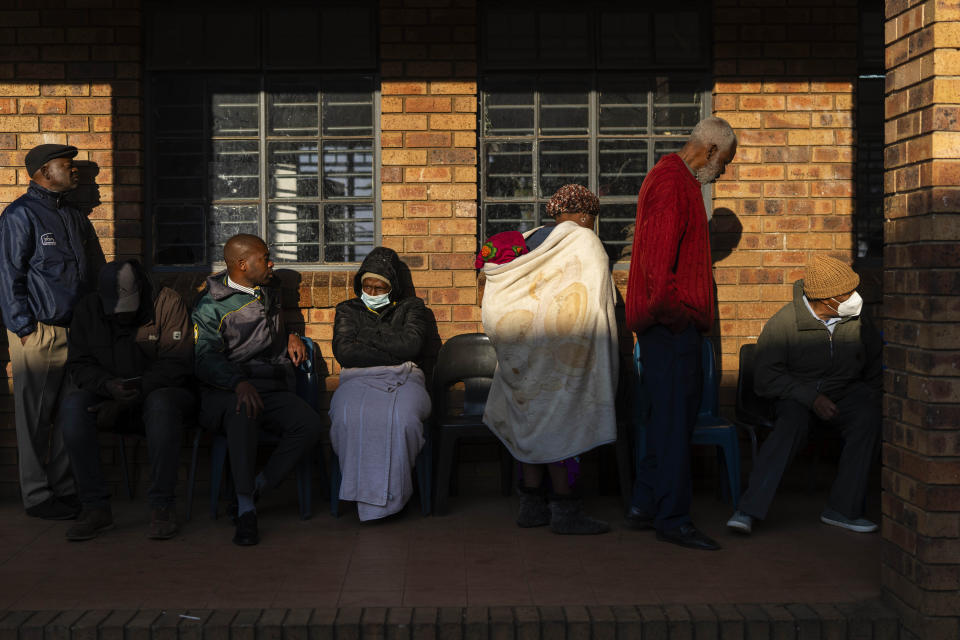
x,y
48,240
152,337
177,335
196,334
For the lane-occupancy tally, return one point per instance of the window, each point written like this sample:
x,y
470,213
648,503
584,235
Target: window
x,y
868,221
290,157
599,126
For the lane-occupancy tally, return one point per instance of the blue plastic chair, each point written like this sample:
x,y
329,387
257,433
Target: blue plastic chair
x,y
308,388
710,428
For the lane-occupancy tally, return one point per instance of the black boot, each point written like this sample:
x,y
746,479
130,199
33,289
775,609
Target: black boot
x,y
533,508
567,517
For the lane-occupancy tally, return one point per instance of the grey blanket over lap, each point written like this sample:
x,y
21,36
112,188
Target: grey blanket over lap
x,y
376,431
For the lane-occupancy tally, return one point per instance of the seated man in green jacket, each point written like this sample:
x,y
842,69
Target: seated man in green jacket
x,y
818,358
245,360
130,356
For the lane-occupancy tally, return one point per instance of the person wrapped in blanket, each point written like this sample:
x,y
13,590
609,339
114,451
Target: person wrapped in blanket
x,y
541,453
378,409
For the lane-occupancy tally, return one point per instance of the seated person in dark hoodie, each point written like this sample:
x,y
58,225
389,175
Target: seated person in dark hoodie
x,y
818,359
245,360
131,357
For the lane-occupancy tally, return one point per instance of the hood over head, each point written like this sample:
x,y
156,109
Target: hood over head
x,y
385,262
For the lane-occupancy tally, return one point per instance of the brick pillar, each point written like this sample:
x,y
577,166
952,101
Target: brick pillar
x,y
921,476
429,139
785,74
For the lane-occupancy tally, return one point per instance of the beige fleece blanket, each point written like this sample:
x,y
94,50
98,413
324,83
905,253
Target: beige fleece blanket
x,y
550,316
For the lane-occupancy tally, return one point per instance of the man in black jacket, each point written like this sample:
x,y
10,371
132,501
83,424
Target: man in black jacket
x,y
131,358
245,359
44,269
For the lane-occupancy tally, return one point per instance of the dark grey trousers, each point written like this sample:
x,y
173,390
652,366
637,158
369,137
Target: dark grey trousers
x,y
284,413
162,414
860,427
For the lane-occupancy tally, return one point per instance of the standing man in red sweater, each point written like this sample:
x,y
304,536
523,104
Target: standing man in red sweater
x,y
670,303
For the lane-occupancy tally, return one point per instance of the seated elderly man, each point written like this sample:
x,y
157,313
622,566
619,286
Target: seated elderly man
x,y
245,360
818,359
130,355
378,409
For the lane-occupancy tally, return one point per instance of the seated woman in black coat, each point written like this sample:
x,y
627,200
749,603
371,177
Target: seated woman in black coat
x,y
378,409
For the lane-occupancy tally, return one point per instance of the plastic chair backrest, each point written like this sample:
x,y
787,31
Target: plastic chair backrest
x,y
751,408
709,400
468,358
308,379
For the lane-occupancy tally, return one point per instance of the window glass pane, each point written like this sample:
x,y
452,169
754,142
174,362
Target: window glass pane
x,y
236,110
235,171
178,169
294,232
510,39
676,107
349,232
623,110
623,164
293,169
510,217
565,39
562,162
666,147
615,228
507,110
509,169
178,106
676,36
347,114
625,39
348,169
179,234
229,220
564,112
292,110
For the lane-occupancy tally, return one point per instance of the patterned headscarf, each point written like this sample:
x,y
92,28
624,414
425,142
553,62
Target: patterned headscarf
x,y
573,198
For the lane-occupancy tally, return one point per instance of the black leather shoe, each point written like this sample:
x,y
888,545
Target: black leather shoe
x,y
637,520
52,509
72,501
687,535
247,534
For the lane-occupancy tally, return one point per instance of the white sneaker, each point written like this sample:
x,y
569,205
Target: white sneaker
x,y
740,522
837,519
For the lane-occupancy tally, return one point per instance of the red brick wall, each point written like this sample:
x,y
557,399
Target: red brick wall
x,y
921,451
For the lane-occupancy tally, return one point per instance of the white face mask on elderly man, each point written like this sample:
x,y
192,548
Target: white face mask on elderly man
x,y
375,302
850,307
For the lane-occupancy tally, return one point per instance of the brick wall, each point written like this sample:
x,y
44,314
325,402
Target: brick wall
x,y
921,451
72,76
784,79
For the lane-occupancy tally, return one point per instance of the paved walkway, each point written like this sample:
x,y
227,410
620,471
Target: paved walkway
x,y
474,556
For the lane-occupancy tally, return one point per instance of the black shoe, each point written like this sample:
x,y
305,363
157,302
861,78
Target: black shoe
x,y
72,501
687,535
247,534
637,520
52,509
233,507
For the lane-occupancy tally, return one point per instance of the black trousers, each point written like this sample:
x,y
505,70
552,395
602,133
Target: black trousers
x,y
283,412
860,426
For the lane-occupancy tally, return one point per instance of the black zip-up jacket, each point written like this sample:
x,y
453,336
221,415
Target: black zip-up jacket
x,y
391,335
158,345
44,268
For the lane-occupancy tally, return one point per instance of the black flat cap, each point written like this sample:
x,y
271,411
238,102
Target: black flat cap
x,y
44,153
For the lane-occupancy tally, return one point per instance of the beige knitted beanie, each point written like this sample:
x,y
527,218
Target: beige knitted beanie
x,y
826,277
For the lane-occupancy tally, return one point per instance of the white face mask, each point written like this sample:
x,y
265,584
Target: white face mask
x,y
375,302
850,307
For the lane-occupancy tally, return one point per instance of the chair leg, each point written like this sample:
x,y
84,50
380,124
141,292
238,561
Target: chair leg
x,y
335,479
731,452
447,445
722,472
218,458
623,470
506,472
192,478
305,485
424,473
122,445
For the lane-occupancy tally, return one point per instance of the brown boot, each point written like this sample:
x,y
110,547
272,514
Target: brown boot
x,y
90,523
163,523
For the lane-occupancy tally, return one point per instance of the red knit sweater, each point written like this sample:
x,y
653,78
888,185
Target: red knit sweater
x,y
671,271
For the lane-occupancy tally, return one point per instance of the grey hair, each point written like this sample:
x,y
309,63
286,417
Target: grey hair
x,y
714,130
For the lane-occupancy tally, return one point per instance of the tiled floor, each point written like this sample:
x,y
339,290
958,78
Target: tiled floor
x,y
473,556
